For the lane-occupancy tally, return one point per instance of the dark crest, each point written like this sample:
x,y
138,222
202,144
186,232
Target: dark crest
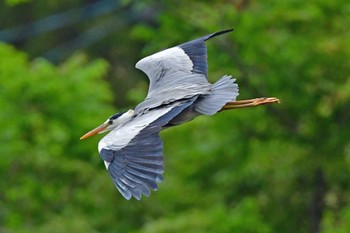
x,y
115,116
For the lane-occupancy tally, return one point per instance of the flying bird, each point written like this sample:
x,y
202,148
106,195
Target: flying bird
x,y
178,92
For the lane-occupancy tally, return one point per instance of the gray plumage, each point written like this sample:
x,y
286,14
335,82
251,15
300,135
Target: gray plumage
x,y
178,92
138,166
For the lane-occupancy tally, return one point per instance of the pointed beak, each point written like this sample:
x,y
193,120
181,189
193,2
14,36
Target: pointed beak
x,y
102,128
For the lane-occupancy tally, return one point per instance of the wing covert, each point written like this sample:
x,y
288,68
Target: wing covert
x,y
137,167
187,58
196,50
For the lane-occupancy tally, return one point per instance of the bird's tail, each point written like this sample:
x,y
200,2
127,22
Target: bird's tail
x,y
223,91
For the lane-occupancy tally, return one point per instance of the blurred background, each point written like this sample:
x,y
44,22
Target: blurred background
x,y
65,66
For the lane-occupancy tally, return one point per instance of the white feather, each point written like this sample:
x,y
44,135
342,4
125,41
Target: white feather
x,y
107,164
120,137
170,59
101,144
126,116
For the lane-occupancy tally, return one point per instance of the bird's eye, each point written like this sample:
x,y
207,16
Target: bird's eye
x,y
110,122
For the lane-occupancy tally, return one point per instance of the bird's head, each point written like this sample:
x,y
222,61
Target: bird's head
x,y
111,123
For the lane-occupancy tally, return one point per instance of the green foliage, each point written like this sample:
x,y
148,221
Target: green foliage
x,y
279,168
46,173
294,50
16,2
214,219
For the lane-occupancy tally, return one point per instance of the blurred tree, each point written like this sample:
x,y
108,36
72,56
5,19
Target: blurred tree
x,y
292,158
278,168
43,165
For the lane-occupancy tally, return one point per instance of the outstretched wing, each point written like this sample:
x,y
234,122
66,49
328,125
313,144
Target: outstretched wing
x,y
185,59
133,153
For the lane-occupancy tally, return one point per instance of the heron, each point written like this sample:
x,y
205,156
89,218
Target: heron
x,y
179,91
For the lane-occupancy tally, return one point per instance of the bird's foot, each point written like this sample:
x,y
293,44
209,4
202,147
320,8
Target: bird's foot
x,y
250,103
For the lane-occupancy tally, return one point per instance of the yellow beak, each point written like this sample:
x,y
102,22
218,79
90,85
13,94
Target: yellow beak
x,y
102,128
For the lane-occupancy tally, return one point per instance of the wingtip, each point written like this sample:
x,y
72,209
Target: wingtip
x,y
229,30
218,33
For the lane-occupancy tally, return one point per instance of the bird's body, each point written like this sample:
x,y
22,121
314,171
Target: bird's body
x,y
179,91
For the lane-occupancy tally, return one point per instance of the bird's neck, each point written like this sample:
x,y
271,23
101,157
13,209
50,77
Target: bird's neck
x,y
125,117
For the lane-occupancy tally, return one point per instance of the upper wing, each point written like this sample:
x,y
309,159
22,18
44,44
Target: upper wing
x,y
184,59
133,153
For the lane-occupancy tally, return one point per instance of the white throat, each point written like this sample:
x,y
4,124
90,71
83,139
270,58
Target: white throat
x,y
118,123
125,117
